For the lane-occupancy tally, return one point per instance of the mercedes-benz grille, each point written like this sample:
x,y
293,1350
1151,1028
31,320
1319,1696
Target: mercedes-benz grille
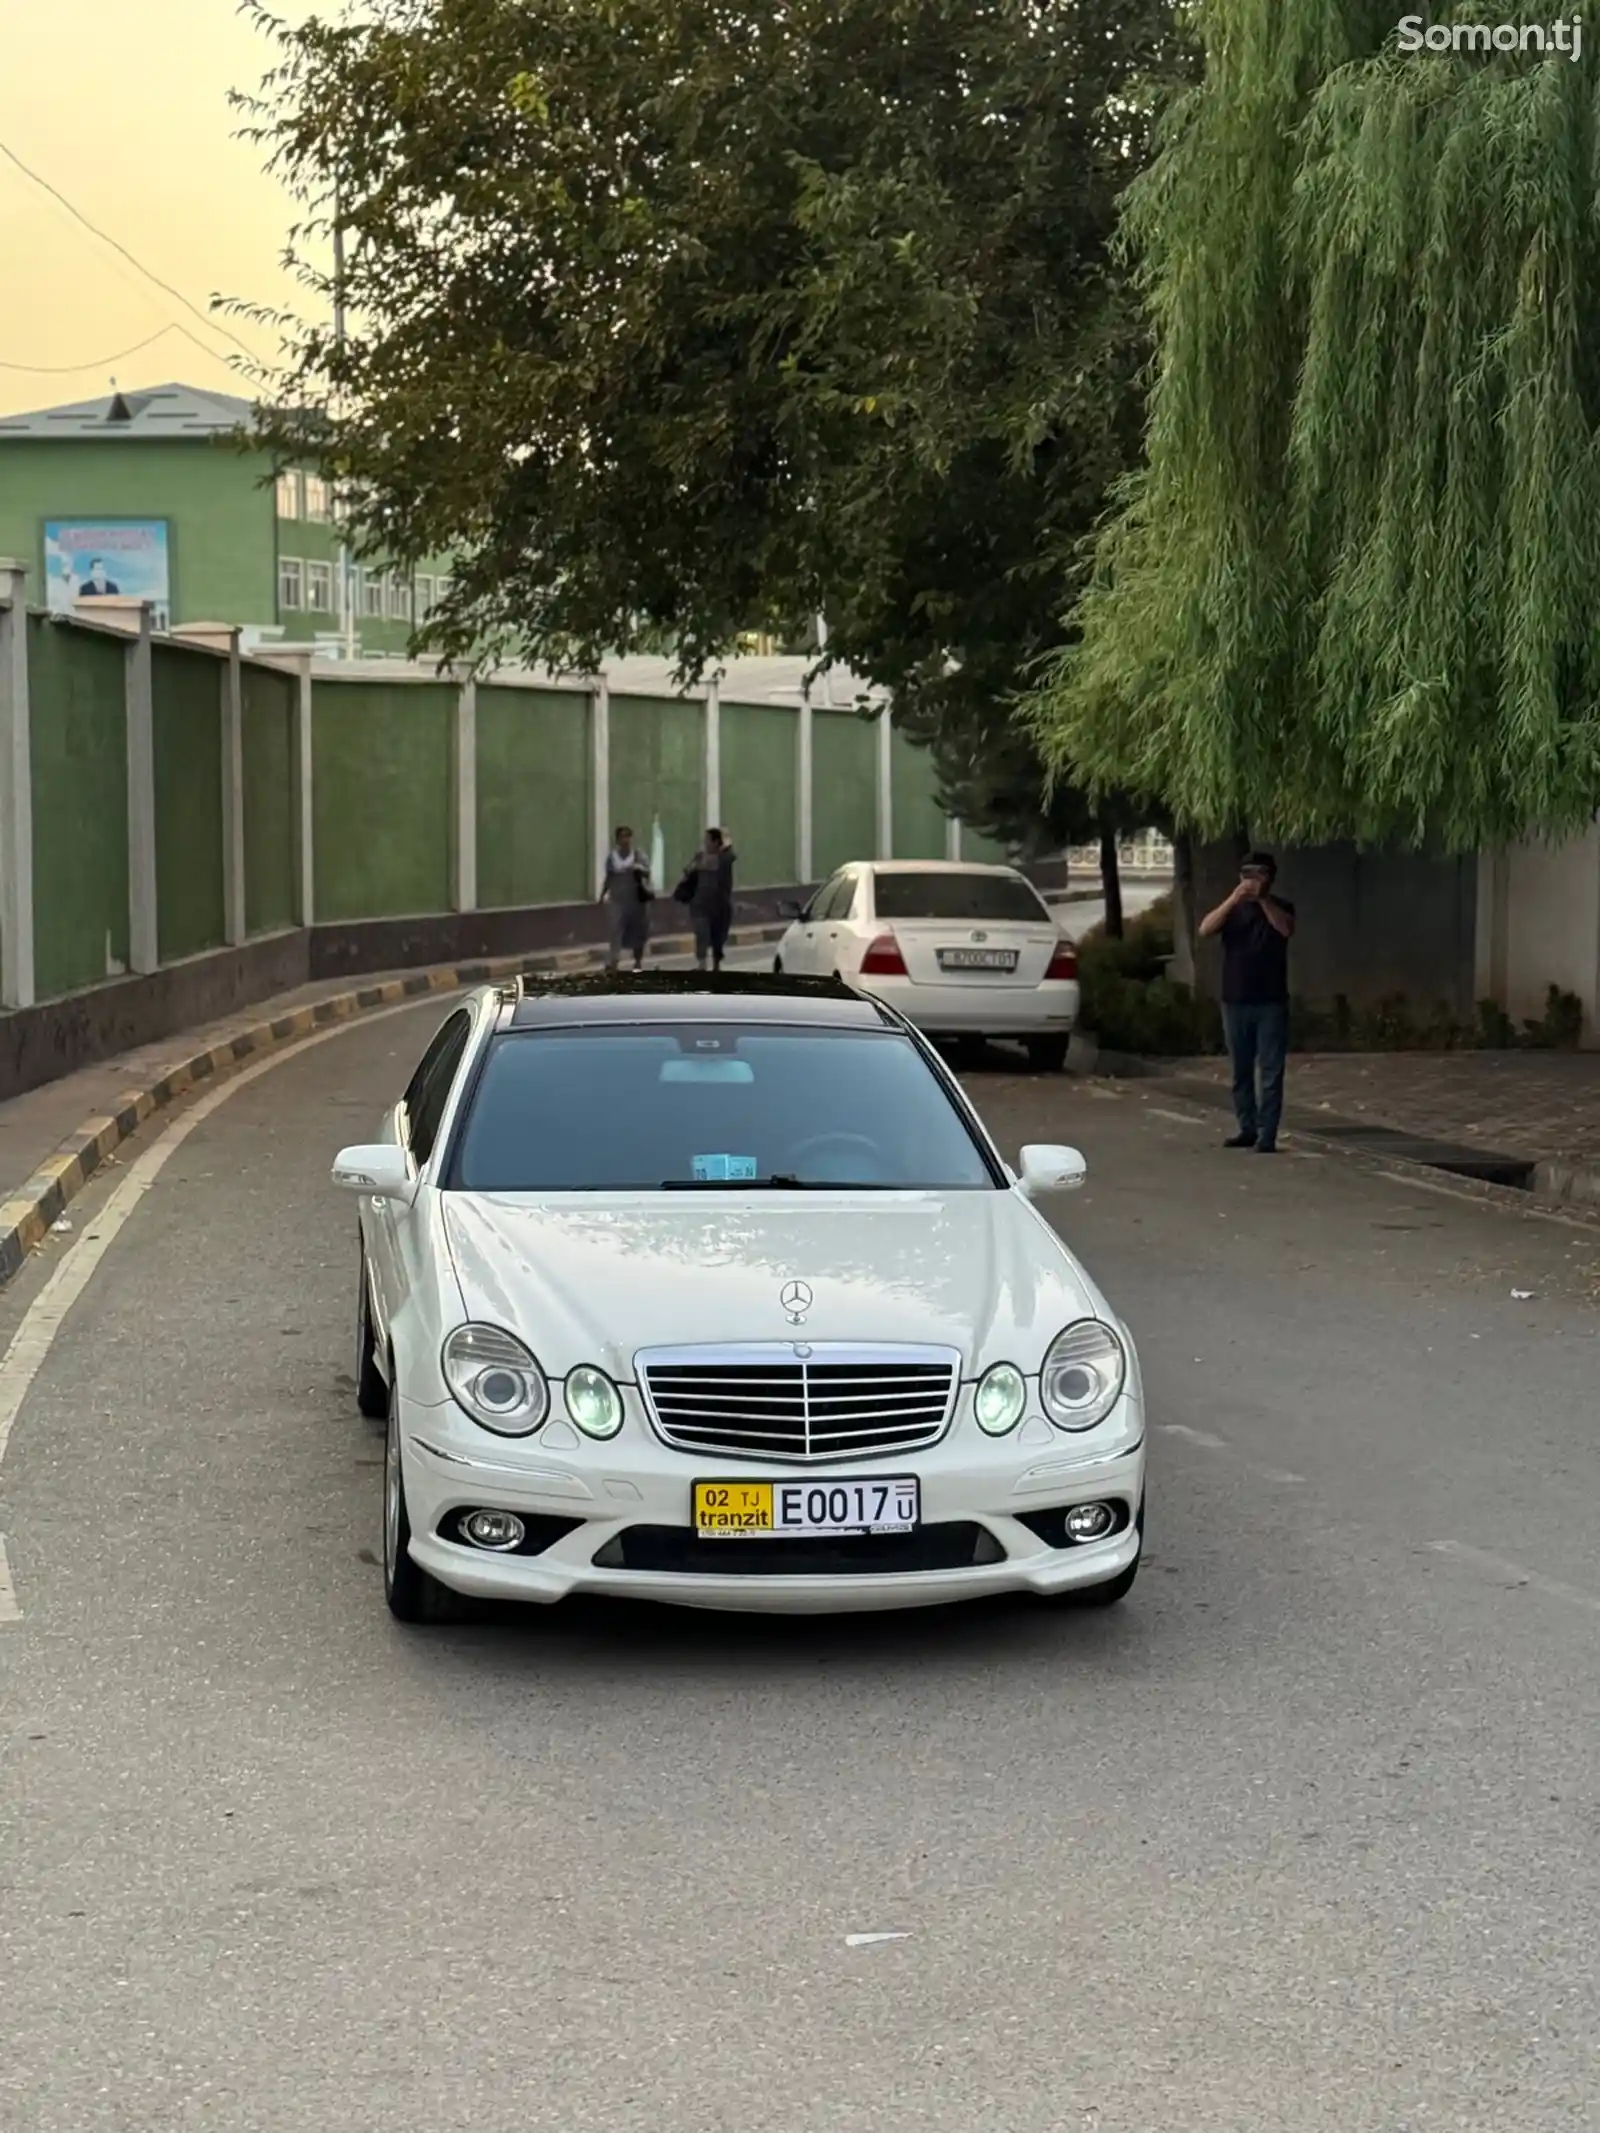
x,y
773,1400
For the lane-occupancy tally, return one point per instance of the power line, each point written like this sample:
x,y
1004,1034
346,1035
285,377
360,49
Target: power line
x,y
72,370
94,230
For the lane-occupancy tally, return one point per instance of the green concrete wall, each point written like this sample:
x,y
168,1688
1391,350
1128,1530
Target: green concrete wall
x,y
270,702
919,822
221,550
535,786
844,811
759,770
77,686
383,786
187,693
658,770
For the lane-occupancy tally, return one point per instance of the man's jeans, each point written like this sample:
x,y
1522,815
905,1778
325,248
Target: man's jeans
x,y
1258,1036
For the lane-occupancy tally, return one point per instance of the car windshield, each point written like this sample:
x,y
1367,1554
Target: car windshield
x,y
988,898
685,1108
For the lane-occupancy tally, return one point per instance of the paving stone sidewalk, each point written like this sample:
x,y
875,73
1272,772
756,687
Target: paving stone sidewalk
x,y
1541,1105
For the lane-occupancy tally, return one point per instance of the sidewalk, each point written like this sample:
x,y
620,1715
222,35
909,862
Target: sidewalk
x,y
54,1138
1535,1113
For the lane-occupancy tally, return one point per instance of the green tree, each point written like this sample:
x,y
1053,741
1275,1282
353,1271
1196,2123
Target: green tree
x,y
1356,590
670,315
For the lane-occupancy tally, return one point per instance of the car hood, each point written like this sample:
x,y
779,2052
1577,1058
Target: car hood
x,y
597,1280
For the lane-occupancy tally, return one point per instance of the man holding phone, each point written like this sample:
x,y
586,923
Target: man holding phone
x,y
1256,927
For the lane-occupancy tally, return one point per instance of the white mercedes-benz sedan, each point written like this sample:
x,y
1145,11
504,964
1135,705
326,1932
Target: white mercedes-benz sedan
x,y
714,1290
963,951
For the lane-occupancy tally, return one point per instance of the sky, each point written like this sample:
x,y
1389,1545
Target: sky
x,y
124,109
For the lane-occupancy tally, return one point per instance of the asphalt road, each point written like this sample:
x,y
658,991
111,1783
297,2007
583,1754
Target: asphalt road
x,y
1305,1837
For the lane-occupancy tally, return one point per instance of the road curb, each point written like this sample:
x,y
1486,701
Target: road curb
x,y
27,1215
1531,1203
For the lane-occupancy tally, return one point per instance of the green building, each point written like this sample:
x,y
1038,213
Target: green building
x,y
159,493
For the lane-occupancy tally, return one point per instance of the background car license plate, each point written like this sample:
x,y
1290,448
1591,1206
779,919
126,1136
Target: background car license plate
x,y
736,1510
977,959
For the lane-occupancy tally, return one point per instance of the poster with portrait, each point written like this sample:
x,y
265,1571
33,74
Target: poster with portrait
x,y
84,558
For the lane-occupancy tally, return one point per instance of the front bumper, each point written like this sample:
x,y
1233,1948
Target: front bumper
x,y
636,1481
981,1010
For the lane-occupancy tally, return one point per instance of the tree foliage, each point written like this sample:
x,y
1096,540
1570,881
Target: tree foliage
x,y
669,316
1356,590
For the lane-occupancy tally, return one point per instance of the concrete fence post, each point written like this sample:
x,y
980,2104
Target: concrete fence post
x,y
144,939
713,777
16,792
466,837
305,820
235,920
600,779
805,757
885,784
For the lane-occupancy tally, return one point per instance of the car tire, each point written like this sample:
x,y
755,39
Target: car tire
x,y
1047,1055
372,1394
413,1596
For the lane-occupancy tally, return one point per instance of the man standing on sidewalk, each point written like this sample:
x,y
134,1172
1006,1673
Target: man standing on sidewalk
x,y
1256,927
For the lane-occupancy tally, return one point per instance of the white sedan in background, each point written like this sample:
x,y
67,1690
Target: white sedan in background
x,y
962,951
714,1290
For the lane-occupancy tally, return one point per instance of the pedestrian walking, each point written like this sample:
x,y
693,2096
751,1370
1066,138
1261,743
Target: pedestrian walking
x,y
1256,926
707,888
626,892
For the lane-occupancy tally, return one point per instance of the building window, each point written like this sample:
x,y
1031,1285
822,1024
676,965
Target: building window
x,y
291,584
319,588
372,587
289,494
316,499
399,598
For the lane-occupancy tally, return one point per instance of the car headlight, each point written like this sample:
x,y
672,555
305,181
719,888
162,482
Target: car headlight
x,y
496,1380
1000,1398
593,1402
1083,1375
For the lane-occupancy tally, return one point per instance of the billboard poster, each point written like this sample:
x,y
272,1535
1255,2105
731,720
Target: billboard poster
x,y
84,557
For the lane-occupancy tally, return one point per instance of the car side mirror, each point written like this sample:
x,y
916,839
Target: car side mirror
x,y
1048,1169
380,1172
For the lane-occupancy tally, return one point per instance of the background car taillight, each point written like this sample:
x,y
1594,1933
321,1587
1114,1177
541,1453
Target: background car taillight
x,y
1064,963
884,960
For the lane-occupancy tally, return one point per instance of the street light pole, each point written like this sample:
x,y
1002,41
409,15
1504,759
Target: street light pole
x,y
346,575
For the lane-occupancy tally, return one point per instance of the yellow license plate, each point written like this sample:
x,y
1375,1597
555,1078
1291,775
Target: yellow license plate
x,y
732,1507
877,1504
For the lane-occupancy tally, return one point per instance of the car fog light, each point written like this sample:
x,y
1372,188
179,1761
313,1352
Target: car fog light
x,y
499,1530
1089,1521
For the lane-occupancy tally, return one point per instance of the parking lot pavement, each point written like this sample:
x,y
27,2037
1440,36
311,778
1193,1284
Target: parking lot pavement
x,y
1300,1839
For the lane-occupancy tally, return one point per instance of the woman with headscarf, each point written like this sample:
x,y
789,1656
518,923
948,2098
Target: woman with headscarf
x,y
626,892
709,880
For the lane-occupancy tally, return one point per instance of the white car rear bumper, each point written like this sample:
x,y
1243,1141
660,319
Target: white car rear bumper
x,y
981,1009
637,1481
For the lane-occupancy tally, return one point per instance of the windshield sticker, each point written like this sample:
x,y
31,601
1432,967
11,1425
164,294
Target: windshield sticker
x,y
723,1169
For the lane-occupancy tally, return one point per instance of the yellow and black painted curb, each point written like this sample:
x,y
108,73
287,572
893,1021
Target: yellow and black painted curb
x,y
27,1215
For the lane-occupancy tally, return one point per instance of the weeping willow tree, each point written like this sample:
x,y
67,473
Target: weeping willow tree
x,y
1355,590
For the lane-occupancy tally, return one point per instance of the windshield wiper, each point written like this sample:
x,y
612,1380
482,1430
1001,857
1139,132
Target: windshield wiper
x,y
779,1182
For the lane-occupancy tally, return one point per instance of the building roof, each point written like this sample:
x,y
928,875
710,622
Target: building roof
x,y
157,411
